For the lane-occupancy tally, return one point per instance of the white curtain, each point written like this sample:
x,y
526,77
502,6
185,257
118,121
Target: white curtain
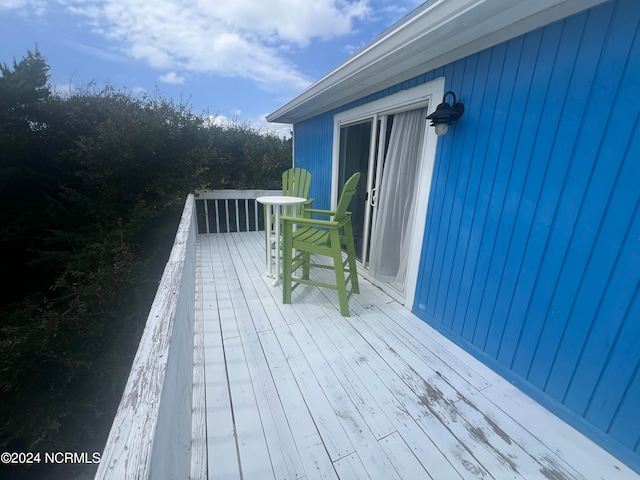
x,y
391,239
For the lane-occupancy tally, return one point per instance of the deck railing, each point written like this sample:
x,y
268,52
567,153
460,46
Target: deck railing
x,y
151,435
231,210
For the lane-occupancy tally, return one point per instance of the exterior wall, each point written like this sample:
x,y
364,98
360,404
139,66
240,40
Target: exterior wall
x,y
531,252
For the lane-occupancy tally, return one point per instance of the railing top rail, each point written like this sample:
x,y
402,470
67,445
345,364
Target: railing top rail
x,y
236,194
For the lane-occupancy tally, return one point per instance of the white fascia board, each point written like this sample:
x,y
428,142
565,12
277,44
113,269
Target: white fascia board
x,y
437,33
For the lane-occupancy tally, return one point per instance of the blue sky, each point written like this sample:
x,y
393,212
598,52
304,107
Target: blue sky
x,y
235,59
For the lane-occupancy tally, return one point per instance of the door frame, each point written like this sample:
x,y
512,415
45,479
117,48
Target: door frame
x,y
427,94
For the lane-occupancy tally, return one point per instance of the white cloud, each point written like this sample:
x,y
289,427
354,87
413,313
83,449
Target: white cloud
x,y
138,90
289,20
63,89
109,56
240,38
37,7
218,120
173,78
260,123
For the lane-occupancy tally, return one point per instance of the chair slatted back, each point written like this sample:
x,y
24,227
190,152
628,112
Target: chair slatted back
x,y
296,182
345,198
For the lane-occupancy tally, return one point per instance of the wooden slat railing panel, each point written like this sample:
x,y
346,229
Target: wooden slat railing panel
x,y
231,210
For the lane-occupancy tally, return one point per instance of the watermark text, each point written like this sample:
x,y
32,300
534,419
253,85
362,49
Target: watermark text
x,y
25,458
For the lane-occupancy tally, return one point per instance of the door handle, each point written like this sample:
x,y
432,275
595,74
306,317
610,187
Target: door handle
x,y
373,196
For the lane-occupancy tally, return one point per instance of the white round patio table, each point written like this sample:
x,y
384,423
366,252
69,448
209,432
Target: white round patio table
x,y
277,205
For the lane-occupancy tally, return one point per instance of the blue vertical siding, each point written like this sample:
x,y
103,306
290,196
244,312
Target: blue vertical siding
x,y
531,253
313,149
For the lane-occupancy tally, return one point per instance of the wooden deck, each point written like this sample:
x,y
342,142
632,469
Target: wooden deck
x,y
298,391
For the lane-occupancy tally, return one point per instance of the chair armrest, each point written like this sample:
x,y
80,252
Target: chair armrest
x,y
317,211
311,222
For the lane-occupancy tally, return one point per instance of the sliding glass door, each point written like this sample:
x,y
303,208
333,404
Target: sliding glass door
x,y
355,149
386,148
388,141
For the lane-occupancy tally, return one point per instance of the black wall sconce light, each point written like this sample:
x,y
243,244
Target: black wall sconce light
x,y
446,114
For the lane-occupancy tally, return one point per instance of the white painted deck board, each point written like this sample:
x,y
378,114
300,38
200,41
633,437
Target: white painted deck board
x,y
298,391
198,412
222,453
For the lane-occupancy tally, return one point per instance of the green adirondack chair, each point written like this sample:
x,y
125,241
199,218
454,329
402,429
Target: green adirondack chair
x,y
295,183
321,237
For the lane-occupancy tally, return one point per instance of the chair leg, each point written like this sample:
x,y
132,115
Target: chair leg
x,y
337,265
287,248
267,218
351,255
306,261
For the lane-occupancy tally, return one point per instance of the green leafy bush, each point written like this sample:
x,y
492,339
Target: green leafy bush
x,y
92,185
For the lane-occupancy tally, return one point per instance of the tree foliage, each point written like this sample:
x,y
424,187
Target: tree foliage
x,y
23,91
91,189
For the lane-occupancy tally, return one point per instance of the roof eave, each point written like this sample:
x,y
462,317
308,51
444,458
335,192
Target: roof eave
x,y
437,33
